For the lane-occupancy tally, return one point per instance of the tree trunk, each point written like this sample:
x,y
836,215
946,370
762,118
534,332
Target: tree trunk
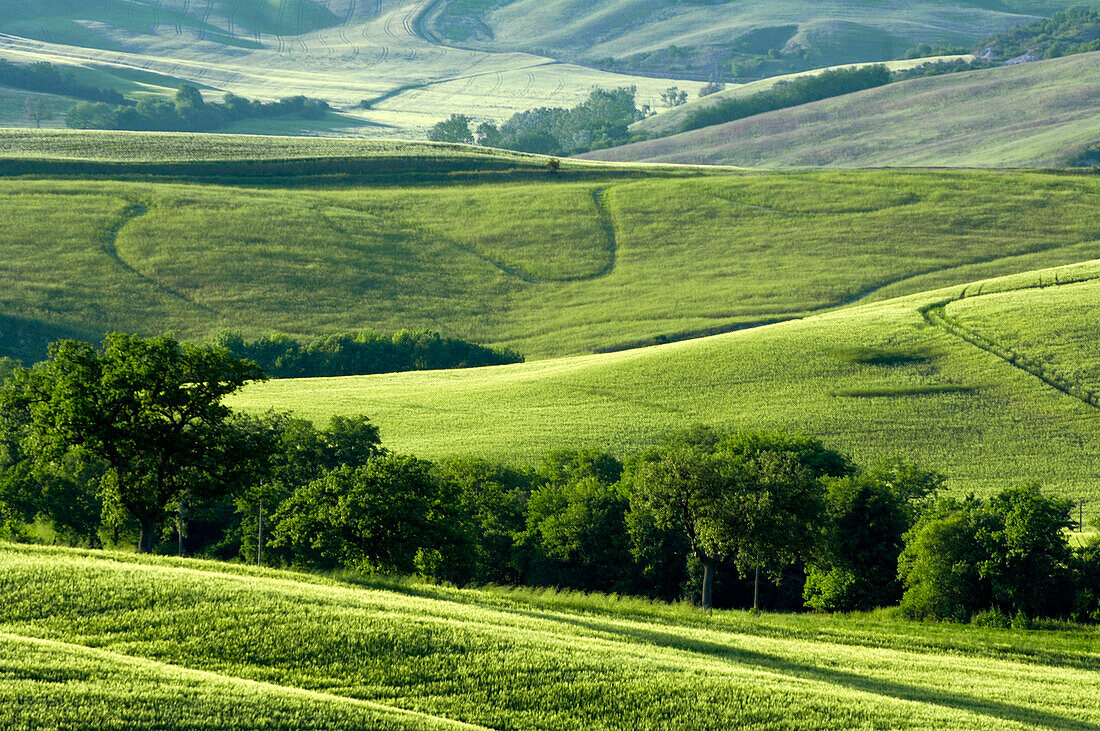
x,y
756,588
708,582
147,537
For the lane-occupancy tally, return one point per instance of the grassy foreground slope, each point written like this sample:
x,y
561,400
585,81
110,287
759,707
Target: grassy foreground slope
x,y
1040,114
292,648
587,260
876,380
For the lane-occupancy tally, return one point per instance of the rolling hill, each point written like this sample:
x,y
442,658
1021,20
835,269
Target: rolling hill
x,y
486,247
963,380
1040,114
104,639
368,59
696,39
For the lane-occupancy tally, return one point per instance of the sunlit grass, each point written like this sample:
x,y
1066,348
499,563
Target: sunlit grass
x,y
502,659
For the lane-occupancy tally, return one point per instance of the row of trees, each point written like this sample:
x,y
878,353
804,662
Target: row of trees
x,y
598,122
789,94
132,440
281,356
189,112
44,77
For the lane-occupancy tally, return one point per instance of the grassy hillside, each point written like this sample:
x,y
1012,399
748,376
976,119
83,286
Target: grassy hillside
x,y
585,260
884,379
343,51
694,40
1040,114
671,121
99,638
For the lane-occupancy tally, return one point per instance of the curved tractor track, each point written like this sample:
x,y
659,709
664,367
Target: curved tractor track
x,y
136,210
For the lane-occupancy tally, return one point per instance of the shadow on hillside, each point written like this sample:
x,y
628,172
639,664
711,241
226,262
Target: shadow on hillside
x,y
877,686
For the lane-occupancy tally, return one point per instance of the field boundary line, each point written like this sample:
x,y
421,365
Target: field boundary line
x,y
935,314
137,209
232,679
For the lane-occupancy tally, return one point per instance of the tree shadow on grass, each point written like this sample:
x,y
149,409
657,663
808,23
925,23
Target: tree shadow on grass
x,y
877,686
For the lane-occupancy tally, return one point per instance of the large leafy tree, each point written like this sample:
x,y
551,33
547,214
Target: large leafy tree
x,y
866,517
751,498
151,410
1009,553
390,514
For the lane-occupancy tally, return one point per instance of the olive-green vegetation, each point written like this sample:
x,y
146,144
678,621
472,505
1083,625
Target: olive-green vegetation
x,y
190,643
368,59
720,37
1036,114
875,380
576,261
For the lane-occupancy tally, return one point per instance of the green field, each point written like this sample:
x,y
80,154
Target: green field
x,y
588,260
663,38
885,379
1033,115
343,51
671,121
111,640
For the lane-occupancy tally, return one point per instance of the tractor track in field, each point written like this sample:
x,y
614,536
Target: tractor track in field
x,y
936,316
110,246
184,671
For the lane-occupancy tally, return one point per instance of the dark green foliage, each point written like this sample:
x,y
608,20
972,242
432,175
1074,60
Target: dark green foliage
x,y
368,352
1009,554
46,78
189,112
790,94
939,68
1076,30
389,515
150,410
492,499
752,499
598,122
866,517
576,524
1086,580
456,129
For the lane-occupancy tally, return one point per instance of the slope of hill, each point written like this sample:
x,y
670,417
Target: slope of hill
x,y
671,121
587,259
343,51
107,640
698,39
893,378
1035,115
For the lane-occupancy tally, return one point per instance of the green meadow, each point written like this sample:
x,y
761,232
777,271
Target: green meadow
x,y
591,259
114,640
877,380
1032,115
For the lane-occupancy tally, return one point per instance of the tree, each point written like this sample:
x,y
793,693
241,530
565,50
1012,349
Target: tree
x,y
866,517
673,96
150,409
39,110
1009,554
751,498
380,516
456,129
576,519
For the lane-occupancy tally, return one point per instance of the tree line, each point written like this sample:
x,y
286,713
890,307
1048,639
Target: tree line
x,y
364,353
601,121
44,77
188,112
790,94
130,442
